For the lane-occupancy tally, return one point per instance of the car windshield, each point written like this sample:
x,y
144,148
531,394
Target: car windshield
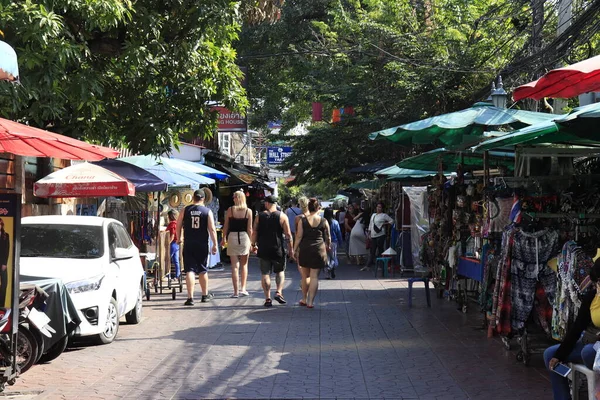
x,y
61,241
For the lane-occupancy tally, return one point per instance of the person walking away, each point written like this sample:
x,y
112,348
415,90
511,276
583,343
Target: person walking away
x,y
377,233
358,239
292,212
336,241
237,232
173,241
313,241
349,223
197,224
268,240
303,204
340,216
573,349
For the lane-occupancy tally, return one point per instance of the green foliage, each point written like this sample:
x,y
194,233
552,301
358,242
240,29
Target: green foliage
x,y
322,190
393,62
137,74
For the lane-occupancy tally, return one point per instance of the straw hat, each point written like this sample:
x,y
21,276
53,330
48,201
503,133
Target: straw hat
x,y
187,197
174,199
208,196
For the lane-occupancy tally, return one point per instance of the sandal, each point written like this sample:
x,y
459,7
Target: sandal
x,y
244,293
280,298
302,303
268,303
234,296
312,306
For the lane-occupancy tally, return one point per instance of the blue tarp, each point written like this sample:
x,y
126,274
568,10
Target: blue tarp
x,y
143,180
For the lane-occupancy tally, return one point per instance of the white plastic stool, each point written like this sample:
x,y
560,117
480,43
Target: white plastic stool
x,y
591,380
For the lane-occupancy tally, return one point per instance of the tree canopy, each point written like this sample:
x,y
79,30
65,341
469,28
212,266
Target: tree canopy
x,y
393,61
138,74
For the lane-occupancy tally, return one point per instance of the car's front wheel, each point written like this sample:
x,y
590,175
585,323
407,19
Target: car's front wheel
x,y
112,324
135,316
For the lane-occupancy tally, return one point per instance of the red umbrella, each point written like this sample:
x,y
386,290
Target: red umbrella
x,y
83,180
566,82
24,140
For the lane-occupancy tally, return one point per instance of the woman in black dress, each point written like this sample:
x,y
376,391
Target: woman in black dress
x,y
313,240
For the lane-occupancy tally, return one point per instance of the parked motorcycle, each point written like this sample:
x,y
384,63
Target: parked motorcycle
x,y
33,325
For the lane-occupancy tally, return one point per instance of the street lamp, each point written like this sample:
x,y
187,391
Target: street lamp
x,y
499,95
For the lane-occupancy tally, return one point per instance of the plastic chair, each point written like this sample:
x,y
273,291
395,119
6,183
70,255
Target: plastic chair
x,y
591,380
410,286
385,261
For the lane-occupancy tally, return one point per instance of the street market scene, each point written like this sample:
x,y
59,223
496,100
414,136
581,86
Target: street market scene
x,y
316,199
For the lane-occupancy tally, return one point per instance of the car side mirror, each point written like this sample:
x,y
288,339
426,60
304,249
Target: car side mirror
x,y
121,254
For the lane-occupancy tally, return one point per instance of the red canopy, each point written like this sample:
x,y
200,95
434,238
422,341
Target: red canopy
x,y
24,140
83,180
566,82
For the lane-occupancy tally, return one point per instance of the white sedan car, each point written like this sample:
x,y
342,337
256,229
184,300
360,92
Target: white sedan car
x,y
96,260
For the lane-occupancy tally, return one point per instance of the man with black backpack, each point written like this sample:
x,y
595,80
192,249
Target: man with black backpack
x,y
268,236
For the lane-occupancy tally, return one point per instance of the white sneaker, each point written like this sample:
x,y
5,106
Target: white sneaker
x,y
234,296
244,293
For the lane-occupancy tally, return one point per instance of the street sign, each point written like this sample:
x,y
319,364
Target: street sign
x,y
276,155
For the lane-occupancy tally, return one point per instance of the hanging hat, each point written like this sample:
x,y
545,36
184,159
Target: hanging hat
x,y
187,197
174,199
208,195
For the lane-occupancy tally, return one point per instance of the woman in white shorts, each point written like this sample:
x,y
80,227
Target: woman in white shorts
x,y
237,232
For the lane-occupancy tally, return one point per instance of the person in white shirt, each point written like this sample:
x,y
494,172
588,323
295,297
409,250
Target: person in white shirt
x,y
377,233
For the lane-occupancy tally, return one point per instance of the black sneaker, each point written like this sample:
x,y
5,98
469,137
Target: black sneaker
x,y
207,298
189,302
333,273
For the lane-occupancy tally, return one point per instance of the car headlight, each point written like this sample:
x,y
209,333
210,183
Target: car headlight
x,y
85,285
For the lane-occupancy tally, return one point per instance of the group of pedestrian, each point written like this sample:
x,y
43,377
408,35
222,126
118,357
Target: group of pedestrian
x,y
311,239
367,233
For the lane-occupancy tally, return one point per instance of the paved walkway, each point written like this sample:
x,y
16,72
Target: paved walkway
x,y
360,341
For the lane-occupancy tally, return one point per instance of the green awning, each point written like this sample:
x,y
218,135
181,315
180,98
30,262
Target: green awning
x,y
372,185
396,171
460,128
579,127
451,160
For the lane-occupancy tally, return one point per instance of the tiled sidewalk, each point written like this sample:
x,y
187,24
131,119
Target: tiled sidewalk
x,y
360,341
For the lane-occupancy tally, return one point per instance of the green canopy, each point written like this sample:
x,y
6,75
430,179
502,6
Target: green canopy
x,y
579,127
460,127
396,171
451,160
374,184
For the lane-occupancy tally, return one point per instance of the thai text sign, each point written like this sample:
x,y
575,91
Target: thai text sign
x,y
276,155
230,121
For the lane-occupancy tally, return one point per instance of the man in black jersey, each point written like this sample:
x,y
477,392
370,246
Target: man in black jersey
x,y
198,224
269,229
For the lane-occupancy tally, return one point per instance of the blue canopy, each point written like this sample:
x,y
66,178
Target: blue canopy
x,y
174,177
143,180
196,167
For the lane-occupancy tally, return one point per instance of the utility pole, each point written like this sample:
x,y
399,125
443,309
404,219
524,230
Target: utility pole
x,y
565,15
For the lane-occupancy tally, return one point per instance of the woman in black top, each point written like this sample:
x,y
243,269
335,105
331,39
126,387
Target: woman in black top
x,y
573,349
237,232
313,240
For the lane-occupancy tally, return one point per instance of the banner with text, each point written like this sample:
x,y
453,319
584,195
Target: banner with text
x,y
230,121
276,155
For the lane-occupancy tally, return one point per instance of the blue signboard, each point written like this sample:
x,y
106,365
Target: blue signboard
x,y
276,155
